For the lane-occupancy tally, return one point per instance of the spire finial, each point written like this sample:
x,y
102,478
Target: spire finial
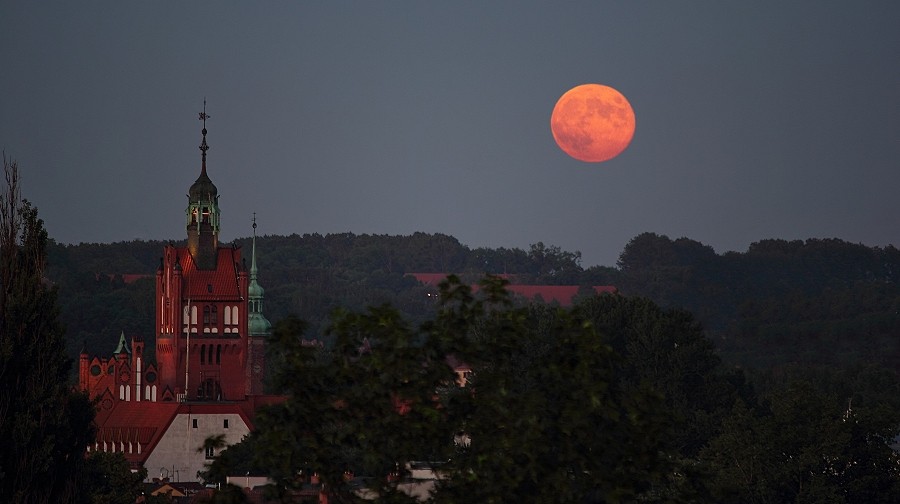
x,y
203,147
253,257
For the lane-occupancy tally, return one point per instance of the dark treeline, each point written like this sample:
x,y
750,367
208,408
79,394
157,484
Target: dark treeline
x,y
825,302
612,400
819,302
307,275
762,376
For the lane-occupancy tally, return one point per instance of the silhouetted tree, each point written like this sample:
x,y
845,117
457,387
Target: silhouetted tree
x,y
109,480
44,426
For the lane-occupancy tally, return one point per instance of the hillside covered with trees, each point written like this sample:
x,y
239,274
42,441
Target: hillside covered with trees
x,y
611,400
762,376
824,302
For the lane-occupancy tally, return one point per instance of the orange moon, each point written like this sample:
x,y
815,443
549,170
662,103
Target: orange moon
x,y
592,123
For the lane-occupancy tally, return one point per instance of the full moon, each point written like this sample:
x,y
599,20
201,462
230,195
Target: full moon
x,y
592,123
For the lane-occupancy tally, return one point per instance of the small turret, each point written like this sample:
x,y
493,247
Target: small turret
x,y
123,348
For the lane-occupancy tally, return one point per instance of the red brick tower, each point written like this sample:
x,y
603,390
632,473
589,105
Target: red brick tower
x,y
202,306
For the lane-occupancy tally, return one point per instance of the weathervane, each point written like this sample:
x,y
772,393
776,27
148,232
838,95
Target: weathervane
x,y
203,147
254,223
203,115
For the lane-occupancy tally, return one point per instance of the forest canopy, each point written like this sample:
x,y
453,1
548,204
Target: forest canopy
x,y
819,301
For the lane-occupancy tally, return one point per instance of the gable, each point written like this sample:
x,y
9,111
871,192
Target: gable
x,y
221,283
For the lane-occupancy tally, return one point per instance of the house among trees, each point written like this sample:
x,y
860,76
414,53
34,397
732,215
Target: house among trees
x,y
564,295
210,353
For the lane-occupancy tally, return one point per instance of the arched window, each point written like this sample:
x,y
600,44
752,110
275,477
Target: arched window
x,y
121,392
210,354
214,315
202,354
234,315
206,315
227,315
218,354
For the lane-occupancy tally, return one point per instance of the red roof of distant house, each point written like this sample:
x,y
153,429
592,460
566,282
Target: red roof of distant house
x,y
562,294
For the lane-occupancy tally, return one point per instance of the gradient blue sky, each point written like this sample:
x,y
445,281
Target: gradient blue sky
x,y
755,120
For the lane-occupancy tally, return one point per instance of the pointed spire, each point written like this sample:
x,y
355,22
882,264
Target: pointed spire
x,y
253,254
203,146
202,214
258,324
123,345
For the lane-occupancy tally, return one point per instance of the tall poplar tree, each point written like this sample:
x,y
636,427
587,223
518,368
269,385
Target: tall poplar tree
x,y
44,425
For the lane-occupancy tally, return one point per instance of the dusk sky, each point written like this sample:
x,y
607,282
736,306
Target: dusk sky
x,y
755,119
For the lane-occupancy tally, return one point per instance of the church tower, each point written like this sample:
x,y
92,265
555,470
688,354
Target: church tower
x,y
259,327
203,212
203,343
210,352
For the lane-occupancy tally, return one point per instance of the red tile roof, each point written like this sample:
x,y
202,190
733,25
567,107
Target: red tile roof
x,y
145,422
223,279
136,422
562,294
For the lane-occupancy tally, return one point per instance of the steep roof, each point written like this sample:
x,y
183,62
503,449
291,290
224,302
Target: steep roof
x,y
145,422
218,283
134,422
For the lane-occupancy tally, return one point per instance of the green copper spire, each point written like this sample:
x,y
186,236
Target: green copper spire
x,y
258,324
123,345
